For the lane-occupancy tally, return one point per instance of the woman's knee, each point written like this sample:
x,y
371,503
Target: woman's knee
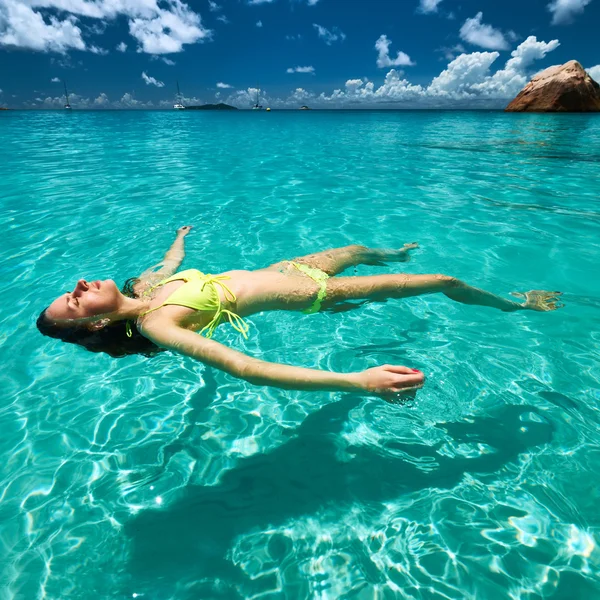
x,y
448,282
355,249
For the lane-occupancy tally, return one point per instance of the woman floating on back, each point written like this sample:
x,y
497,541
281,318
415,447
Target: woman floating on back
x,y
164,309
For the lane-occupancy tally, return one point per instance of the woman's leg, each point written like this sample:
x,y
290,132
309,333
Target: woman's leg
x,y
336,260
380,287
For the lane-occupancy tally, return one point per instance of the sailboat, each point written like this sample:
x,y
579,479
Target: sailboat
x,y
257,106
178,104
67,105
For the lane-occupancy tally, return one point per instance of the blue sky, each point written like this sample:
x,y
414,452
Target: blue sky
x,y
324,53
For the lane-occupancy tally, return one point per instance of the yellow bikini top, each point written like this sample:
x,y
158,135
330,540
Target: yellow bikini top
x,y
200,293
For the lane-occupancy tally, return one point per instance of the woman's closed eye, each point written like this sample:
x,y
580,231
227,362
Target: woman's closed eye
x,y
72,300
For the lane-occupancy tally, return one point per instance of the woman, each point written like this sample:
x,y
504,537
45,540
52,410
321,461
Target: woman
x,y
161,309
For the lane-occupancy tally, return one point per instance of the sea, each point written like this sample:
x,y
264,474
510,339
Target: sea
x,y
163,479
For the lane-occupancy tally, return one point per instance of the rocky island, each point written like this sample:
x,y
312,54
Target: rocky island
x,y
562,88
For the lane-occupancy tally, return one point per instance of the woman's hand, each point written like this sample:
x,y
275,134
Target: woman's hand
x,y
390,379
183,231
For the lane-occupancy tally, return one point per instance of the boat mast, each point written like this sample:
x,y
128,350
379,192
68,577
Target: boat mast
x,y
66,93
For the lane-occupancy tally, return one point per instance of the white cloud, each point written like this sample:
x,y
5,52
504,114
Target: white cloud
x,y
312,2
466,82
329,36
152,81
428,6
163,59
259,23
223,86
479,34
468,74
213,6
122,47
462,73
382,45
22,27
101,100
301,70
564,11
255,2
594,73
168,30
55,80
159,26
223,19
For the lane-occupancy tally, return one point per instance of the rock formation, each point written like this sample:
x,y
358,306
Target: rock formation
x,y
562,88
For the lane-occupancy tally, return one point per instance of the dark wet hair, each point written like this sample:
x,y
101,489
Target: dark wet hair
x,y
112,339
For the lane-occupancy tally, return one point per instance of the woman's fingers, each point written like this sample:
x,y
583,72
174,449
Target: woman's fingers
x,y
405,381
400,369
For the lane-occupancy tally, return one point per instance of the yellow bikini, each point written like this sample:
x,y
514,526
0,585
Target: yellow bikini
x,y
200,293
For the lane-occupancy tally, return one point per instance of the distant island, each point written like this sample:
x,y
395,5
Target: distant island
x,y
220,106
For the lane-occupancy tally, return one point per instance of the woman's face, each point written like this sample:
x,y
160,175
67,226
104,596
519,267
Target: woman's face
x,y
88,299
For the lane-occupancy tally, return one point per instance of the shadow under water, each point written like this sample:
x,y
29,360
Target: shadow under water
x,y
191,537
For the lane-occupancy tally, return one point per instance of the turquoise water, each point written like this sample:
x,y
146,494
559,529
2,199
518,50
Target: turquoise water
x,y
162,479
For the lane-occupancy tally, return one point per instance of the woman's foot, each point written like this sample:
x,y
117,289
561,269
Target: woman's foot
x,y
401,255
539,300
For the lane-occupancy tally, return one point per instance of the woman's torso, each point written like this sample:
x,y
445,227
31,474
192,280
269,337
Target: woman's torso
x,y
254,291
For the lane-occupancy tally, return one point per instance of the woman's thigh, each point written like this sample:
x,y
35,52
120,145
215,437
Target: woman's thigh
x,y
332,261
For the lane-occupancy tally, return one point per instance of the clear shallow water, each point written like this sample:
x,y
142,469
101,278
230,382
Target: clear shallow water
x,y
165,479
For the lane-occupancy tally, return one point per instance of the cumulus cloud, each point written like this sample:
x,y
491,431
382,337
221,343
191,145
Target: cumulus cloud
x,y
479,34
122,47
22,27
594,73
159,26
467,81
329,36
101,100
312,2
152,81
428,6
468,75
382,45
168,30
301,70
564,11
259,23
213,6
55,80
223,86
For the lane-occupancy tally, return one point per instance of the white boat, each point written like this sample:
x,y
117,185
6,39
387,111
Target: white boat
x,y
257,106
67,105
178,100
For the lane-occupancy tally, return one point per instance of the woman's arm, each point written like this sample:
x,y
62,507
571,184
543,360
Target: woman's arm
x,y
381,380
168,265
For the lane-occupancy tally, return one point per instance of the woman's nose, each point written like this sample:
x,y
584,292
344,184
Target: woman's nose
x,y
82,285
